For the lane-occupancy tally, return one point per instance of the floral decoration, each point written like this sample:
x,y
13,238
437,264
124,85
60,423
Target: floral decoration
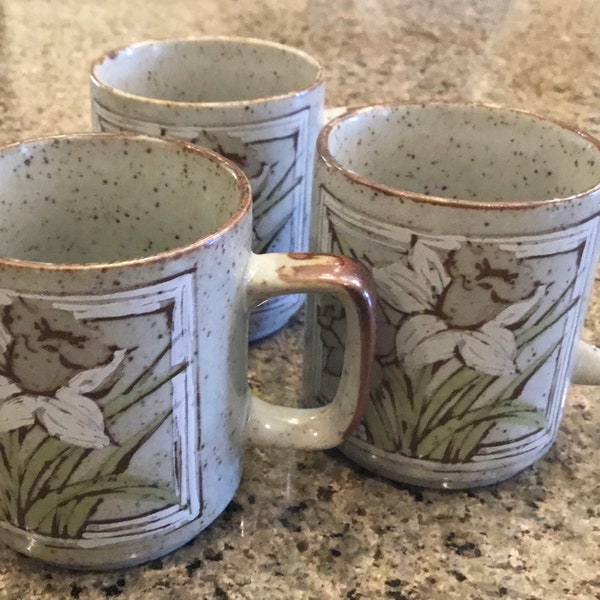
x,y
57,410
457,324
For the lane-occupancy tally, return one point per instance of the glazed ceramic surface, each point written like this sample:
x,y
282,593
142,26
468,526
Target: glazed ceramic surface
x,y
258,103
126,279
480,227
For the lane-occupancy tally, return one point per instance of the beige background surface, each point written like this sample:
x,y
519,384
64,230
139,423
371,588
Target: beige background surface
x,y
312,525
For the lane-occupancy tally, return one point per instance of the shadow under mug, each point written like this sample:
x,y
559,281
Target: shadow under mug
x,y
257,102
126,280
480,227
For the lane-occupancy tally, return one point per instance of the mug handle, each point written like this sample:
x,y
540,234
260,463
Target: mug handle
x,y
324,427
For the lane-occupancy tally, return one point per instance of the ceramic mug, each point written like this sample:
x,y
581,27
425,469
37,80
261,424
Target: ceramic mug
x,y
257,102
126,278
480,227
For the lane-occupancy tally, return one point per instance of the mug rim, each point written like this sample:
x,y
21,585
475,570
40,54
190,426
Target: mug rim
x,y
325,154
241,181
111,54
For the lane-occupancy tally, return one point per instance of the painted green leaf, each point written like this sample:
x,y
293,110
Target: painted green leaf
x,y
145,387
468,446
434,445
11,444
384,419
51,464
76,514
464,445
118,460
69,520
551,317
54,462
70,515
455,396
122,484
7,499
381,428
407,404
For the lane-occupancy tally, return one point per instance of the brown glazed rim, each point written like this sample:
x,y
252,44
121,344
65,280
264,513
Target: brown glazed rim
x,y
325,154
242,185
237,40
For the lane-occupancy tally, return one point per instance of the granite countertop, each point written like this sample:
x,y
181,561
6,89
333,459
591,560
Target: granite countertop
x,y
311,525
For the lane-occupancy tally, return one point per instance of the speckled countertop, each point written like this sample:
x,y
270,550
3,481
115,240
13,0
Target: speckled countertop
x,y
312,525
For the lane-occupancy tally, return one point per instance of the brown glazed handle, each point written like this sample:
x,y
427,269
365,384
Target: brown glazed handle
x,y
324,427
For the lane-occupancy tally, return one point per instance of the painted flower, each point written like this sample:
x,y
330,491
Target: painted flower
x,y
463,306
268,164
49,365
485,280
239,152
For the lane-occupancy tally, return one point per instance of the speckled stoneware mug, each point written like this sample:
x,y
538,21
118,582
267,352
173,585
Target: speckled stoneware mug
x,y
480,227
257,102
126,278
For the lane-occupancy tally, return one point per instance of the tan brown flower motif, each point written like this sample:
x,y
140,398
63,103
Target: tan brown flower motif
x,y
484,281
49,365
48,346
461,307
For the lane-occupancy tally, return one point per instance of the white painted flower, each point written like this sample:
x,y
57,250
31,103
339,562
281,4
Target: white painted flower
x,y
462,307
50,363
415,284
69,414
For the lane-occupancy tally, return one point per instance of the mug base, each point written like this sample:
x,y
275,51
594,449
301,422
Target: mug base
x,y
80,555
438,475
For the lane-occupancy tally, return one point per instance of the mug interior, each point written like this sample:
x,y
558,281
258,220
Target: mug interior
x,y
207,70
464,152
104,198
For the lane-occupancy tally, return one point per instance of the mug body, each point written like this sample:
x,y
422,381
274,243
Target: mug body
x,y
123,345
480,228
257,102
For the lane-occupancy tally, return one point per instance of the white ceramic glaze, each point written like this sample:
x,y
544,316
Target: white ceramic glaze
x,y
126,280
480,227
257,102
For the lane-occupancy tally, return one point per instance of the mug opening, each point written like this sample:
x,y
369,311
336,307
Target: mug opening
x,y
462,153
88,199
211,70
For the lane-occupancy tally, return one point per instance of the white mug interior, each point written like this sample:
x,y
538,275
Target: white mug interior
x,y
464,152
99,198
207,70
